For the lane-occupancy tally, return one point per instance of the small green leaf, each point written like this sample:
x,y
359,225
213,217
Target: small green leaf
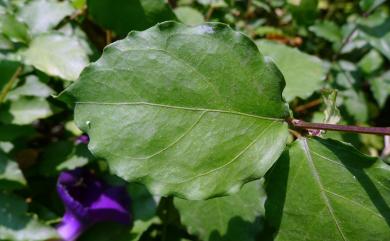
x,y
369,5
126,15
31,87
168,107
327,30
10,174
57,55
371,62
380,87
331,112
303,73
43,15
327,190
25,110
303,11
13,29
17,225
7,71
189,16
235,217
377,34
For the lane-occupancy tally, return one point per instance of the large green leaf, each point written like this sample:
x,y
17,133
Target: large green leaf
x,y
57,55
43,15
235,217
180,108
304,73
10,174
17,225
327,190
126,15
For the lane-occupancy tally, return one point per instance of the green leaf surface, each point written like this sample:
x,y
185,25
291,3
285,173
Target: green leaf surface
x,y
304,12
63,155
43,15
57,55
17,225
371,62
327,190
369,5
7,71
25,110
303,73
235,217
126,15
327,30
189,16
13,29
32,86
380,87
10,174
378,35
168,107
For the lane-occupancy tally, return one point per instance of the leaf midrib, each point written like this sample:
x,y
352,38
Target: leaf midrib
x,y
181,108
321,187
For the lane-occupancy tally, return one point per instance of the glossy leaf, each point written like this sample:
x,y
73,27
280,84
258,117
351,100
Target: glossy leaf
x,y
32,86
43,15
303,73
235,217
168,107
126,15
10,174
327,30
371,62
57,55
327,190
17,225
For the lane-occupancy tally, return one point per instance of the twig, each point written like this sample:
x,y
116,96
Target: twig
x,y
10,84
311,104
108,37
209,12
344,128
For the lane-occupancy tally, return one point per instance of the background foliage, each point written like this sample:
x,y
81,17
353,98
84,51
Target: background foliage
x,y
318,45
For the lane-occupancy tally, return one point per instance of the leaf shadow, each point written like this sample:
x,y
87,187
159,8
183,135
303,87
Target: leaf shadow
x,y
238,229
276,189
356,168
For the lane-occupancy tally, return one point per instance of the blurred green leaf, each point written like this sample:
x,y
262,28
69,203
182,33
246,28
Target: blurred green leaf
x,y
17,225
31,87
57,55
43,15
378,35
380,87
126,15
327,30
331,112
13,29
371,62
303,73
235,217
189,16
304,12
25,110
10,175
369,5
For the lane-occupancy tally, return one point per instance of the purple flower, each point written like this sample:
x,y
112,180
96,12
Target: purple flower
x,y
87,201
84,139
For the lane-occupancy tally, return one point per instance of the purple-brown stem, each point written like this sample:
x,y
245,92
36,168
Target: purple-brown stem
x,y
345,128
